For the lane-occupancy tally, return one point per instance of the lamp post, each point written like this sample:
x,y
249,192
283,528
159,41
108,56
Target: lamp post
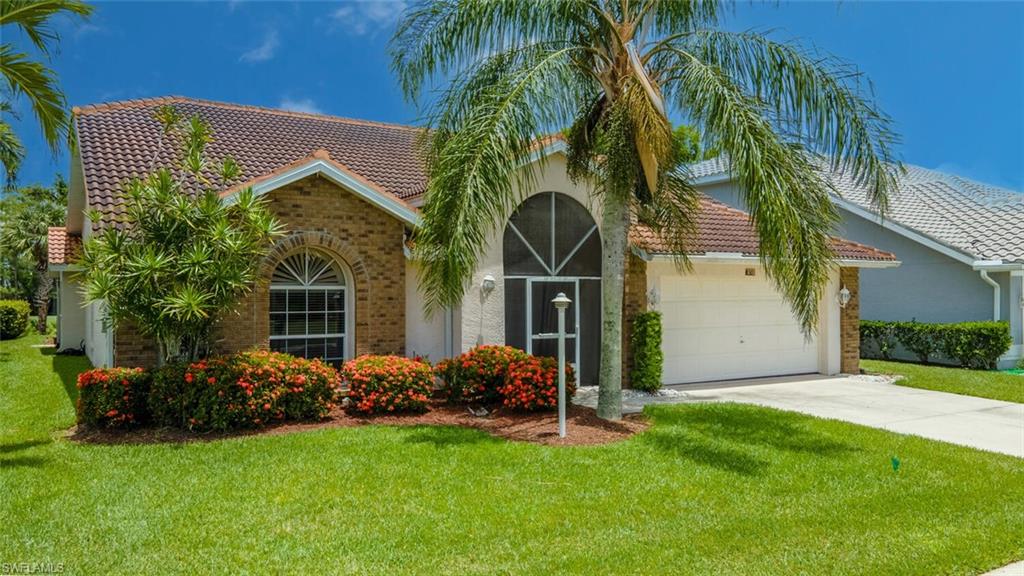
x,y
561,303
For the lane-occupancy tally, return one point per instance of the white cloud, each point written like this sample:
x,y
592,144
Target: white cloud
x,y
299,105
363,17
266,50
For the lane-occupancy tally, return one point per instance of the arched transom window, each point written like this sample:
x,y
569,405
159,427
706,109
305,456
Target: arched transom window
x,y
308,307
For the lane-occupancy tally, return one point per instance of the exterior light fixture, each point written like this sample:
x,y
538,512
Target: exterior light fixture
x,y
561,303
843,297
487,286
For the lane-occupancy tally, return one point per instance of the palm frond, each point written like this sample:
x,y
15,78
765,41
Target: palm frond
x,y
33,16
38,83
12,152
788,199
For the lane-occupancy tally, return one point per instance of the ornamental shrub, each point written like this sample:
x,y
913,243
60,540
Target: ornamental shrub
x,y
113,397
245,390
970,344
647,355
477,375
387,384
532,384
13,318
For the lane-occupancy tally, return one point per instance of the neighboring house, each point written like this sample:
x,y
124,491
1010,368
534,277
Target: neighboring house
x,y
343,280
961,244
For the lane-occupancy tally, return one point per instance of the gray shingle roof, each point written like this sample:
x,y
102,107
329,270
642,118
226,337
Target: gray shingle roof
x,y
982,221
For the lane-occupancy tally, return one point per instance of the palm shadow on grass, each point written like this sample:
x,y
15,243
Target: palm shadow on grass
x,y
67,367
722,435
449,436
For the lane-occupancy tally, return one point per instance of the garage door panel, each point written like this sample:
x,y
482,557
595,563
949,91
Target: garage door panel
x,y
723,325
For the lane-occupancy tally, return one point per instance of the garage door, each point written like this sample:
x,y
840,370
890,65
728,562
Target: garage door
x,y
720,324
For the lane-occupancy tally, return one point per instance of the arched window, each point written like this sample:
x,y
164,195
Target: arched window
x,y
551,244
309,307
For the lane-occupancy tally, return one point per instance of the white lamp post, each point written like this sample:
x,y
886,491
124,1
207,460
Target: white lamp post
x,y
561,303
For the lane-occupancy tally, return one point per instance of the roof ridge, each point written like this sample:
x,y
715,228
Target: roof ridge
x,y
143,102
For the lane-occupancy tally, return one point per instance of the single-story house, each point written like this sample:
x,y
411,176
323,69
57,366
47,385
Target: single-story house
x,y
960,242
343,280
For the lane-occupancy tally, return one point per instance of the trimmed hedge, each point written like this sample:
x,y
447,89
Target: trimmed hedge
x,y
971,344
113,397
648,359
477,375
13,318
379,384
245,390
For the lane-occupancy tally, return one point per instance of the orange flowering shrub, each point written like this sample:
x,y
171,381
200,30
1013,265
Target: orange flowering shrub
x,y
387,384
243,391
477,376
532,384
112,397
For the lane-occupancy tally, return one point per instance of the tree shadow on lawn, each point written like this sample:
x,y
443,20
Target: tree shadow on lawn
x,y
23,461
67,367
447,436
719,435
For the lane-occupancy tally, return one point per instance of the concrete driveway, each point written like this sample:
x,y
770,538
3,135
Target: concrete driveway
x,y
986,424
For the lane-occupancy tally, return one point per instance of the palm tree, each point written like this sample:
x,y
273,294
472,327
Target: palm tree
x,y
30,78
23,230
613,70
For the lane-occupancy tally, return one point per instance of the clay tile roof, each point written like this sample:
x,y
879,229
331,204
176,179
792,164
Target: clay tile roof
x,y
118,140
727,230
62,248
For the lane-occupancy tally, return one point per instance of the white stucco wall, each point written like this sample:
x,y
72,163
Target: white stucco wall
x,y
424,336
483,319
98,341
71,321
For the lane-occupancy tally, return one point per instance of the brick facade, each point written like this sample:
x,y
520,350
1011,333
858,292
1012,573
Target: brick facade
x,y
319,214
849,323
634,301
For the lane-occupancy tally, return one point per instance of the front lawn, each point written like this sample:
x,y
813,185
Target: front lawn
x,y
981,383
708,489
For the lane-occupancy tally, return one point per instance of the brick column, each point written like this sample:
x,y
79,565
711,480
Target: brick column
x,y
849,322
634,301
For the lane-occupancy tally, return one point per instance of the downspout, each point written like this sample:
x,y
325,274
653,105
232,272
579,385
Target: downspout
x,y
995,294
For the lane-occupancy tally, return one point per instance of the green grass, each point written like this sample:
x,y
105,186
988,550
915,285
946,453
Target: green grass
x,y
981,383
709,489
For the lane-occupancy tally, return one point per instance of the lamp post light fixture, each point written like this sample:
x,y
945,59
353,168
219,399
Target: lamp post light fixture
x,y
561,302
844,297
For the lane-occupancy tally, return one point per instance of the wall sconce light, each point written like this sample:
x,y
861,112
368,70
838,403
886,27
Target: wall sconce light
x,y
487,286
843,297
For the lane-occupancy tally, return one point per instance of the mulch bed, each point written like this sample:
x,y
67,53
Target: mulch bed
x,y
583,427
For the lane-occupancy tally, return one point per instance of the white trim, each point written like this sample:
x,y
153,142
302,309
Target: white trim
x,y
739,258
343,178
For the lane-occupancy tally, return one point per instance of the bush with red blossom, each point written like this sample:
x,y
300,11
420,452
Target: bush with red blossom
x,y
532,384
113,397
244,390
378,384
477,375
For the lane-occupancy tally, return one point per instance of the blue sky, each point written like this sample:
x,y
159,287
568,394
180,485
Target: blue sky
x,y
950,74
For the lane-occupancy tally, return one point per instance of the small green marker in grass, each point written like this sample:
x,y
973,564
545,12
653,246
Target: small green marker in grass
x,y
895,464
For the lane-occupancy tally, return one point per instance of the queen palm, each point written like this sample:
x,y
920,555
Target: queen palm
x,y
613,72
30,78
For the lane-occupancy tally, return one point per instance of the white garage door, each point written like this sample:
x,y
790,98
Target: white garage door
x,y
720,324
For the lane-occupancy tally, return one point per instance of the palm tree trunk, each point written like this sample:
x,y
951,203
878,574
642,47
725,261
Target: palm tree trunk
x,y
614,237
44,285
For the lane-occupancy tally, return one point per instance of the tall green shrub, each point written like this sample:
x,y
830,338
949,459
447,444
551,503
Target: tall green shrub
x,y
648,359
970,344
13,318
177,261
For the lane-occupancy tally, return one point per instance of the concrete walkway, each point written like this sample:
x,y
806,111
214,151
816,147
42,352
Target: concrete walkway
x,y
990,425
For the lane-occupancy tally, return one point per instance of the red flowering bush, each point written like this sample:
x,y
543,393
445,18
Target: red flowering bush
x,y
477,376
243,391
532,384
387,384
112,397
